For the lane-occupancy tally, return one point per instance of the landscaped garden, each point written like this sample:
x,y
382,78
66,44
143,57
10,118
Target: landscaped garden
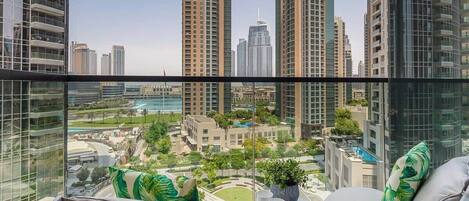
x,y
128,120
235,194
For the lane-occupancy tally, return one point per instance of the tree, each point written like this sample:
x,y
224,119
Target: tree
x,y
281,150
261,143
91,116
194,157
345,125
97,174
171,161
131,113
163,146
144,113
118,116
237,159
309,147
221,162
197,173
210,169
83,174
156,132
104,116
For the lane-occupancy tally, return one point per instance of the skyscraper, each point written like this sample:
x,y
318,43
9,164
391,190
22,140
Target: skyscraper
x,y
340,62
361,69
83,60
420,111
259,51
93,62
209,55
305,48
348,67
242,62
32,118
118,60
106,67
233,63
80,58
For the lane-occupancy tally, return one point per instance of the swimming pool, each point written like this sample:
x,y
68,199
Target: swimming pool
x,y
365,155
238,124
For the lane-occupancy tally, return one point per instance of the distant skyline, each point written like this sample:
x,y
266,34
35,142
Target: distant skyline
x,y
151,30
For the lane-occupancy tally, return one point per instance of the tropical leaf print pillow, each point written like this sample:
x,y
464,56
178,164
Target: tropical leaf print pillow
x,y
407,174
140,186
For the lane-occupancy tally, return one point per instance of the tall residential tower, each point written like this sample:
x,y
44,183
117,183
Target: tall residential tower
x,y
206,50
259,51
34,35
305,48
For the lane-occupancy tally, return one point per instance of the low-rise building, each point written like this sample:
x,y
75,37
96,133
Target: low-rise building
x,y
160,91
201,132
80,152
349,165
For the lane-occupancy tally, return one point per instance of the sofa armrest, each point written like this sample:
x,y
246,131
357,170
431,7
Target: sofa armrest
x,y
352,194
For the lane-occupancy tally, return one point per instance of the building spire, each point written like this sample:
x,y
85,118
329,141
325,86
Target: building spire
x,y
259,14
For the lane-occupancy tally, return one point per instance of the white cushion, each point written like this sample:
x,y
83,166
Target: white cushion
x,y
355,194
446,183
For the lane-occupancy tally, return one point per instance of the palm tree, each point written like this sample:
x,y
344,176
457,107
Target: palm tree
x,y
104,116
118,116
131,113
144,113
91,116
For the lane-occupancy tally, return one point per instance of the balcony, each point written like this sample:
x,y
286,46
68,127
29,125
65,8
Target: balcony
x,y
148,128
49,7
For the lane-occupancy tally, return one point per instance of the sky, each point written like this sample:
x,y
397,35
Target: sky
x,y
151,30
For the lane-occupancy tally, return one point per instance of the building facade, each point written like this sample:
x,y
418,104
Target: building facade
x,y
259,51
201,133
118,60
34,35
340,62
349,165
206,49
420,111
305,48
106,67
242,59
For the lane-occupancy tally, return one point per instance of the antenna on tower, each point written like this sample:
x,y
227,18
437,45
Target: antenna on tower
x,y
258,14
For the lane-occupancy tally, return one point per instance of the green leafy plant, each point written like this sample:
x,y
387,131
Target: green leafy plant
x,y
283,173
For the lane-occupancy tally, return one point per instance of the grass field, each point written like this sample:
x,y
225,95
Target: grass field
x,y
127,121
235,194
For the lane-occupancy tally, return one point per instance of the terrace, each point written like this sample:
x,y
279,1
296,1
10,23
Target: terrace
x,y
120,133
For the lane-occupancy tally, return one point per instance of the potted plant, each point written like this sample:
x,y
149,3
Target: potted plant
x,y
284,178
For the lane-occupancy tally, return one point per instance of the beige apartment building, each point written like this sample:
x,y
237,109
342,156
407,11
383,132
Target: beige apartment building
x,y
305,48
200,133
206,47
348,165
340,62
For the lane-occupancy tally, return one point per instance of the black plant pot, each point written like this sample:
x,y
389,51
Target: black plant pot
x,y
290,193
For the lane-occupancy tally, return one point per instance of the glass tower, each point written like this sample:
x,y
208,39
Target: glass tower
x,y
33,38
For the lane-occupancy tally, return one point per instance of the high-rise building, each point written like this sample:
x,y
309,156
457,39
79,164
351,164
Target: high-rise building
x,y
83,60
206,48
340,62
93,65
361,69
242,62
305,48
80,58
465,38
106,67
118,60
32,119
233,63
348,67
259,51
420,111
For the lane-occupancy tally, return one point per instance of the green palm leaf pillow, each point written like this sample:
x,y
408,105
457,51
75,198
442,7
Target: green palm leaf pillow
x,y
141,186
407,174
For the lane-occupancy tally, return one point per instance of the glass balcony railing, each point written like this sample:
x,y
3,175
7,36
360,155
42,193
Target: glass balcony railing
x,y
57,4
51,56
48,20
227,135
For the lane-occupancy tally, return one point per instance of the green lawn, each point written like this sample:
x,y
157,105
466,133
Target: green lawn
x,y
127,121
97,111
235,194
